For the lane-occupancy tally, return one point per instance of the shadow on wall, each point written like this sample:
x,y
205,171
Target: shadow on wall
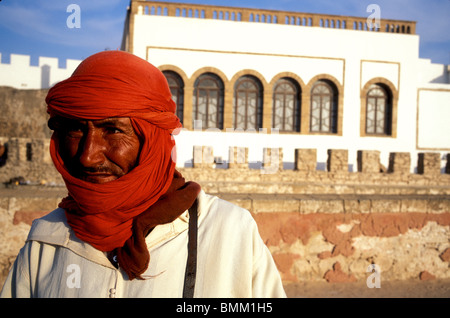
x,y
45,76
445,77
3,154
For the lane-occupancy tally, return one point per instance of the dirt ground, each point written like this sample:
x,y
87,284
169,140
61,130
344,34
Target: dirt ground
x,y
388,289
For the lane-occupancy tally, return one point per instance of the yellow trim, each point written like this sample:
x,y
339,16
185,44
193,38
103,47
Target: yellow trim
x,y
382,62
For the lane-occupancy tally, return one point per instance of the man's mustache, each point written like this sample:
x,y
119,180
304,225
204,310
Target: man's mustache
x,y
80,170
96,170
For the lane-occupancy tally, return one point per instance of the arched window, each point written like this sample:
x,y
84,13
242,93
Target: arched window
x,y
176,86
248,103
286,105
208,101
378,111
323,107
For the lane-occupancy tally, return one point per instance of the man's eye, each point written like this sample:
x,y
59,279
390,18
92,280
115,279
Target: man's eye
x,y
114,130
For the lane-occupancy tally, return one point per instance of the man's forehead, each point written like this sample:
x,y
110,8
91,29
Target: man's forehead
x,y
111,120
56,122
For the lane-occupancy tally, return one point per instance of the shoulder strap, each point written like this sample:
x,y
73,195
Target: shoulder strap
x,y
191,265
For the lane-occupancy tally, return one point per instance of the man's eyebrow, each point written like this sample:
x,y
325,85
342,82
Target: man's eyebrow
x,y
59,122
113,122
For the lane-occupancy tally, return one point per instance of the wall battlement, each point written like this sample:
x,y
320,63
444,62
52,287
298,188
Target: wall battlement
x,y
25,60
44,74
29,159
306,160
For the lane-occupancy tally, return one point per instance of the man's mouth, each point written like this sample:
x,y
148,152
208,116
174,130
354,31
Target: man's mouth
x,y
97,177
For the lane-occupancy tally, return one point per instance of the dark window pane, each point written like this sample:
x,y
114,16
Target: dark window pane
x,y
286,105
208,101
378,111
323,108
248,103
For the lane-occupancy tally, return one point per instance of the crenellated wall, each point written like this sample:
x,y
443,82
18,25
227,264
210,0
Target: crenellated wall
x,y
29,158
43,74
306,160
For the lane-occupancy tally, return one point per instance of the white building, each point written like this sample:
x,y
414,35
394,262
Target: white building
x,y
322,81
326,82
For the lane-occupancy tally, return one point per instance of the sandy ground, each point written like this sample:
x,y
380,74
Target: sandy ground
x,y
388,289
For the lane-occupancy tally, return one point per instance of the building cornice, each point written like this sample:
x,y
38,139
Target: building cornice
x,y
238,14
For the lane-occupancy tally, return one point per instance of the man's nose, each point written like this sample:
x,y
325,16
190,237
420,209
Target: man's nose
x,y
93,150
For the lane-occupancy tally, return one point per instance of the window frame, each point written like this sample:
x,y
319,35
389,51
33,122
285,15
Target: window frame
x,y
334,107
296,95
387,125
220,102
258,104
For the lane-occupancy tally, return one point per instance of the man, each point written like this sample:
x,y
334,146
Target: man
x,y
130,225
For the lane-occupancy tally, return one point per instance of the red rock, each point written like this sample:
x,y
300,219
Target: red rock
x,y
338,276
426,276
445,256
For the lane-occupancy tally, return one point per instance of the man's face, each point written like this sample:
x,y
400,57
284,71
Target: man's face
x,y
98,151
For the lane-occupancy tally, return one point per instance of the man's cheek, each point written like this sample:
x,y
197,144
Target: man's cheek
x,y
69,148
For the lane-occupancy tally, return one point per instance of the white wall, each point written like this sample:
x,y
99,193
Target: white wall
x,y
433,119
433,73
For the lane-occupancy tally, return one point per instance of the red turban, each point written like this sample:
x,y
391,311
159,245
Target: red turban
x,y
117,84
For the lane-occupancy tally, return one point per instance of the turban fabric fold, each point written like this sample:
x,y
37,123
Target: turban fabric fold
x,y
119,84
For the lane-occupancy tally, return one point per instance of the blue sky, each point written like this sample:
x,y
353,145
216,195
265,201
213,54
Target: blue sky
x,y
38,27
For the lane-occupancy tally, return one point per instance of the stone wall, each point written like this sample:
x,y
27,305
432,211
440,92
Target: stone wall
x,y
327,231
336,225
340,247
319,225
27,161
23,113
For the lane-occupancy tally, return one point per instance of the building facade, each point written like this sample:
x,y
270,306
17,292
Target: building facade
x,y
272,79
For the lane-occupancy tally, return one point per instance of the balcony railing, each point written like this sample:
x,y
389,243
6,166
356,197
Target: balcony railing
x,y
269,16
